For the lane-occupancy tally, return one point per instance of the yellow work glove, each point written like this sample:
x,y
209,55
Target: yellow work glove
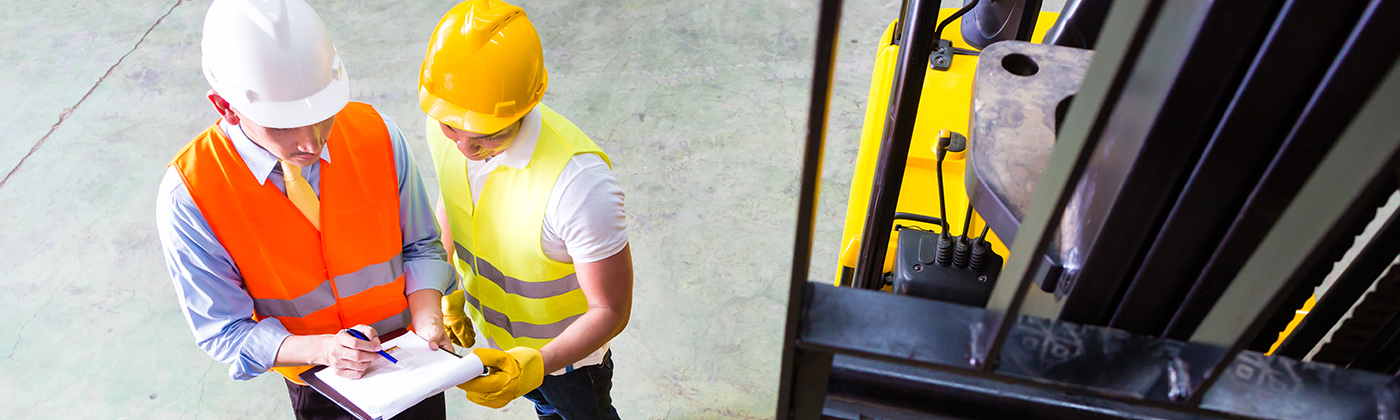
x,y
454,318
515,372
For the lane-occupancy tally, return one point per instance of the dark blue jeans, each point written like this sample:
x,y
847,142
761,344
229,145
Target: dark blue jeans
x,y
584,394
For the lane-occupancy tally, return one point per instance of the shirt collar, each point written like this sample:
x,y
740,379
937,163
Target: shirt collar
x,y
518,154
260,161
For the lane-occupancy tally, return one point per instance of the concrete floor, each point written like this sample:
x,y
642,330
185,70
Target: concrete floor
x,y
701,104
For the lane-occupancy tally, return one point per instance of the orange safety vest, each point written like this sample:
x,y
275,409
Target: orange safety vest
x,y
314,282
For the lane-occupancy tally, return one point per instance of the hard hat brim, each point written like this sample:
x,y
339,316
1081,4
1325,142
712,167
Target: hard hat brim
x,y
465,119
300,113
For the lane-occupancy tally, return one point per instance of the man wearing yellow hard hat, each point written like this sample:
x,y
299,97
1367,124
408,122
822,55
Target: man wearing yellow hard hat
x,y
531,214
298,215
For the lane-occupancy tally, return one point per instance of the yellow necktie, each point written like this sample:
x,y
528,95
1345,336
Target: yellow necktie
x,y
301,194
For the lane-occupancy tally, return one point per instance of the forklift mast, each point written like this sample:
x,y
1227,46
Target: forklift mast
x,y
1159,187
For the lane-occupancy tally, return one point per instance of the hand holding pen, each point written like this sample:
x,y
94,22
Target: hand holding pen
x,y
350,352
362,336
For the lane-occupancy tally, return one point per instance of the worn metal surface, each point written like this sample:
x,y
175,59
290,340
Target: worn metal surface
x,y
1129,23
1107,360
906,328
1070,362
1013,126
1280,388
875,389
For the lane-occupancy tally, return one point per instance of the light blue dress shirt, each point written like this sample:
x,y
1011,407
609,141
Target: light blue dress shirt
x,y
208,284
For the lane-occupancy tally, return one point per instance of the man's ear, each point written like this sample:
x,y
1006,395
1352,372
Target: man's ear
x,y
222,107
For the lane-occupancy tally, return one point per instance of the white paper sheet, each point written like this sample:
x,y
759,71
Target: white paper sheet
x,y
388,389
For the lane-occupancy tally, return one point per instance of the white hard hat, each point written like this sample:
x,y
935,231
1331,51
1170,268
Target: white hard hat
x,y
273,61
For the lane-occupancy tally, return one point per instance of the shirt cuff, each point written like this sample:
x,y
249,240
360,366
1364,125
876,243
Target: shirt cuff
x,y
429,273
259,350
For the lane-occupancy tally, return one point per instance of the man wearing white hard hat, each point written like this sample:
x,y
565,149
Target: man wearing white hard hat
x,y
298,214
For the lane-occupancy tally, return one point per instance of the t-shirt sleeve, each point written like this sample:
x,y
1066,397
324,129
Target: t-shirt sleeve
x,y
586,211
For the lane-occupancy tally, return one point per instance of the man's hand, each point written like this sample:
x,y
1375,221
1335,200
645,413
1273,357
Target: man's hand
x,y
515,372
348,356
454,317
425,307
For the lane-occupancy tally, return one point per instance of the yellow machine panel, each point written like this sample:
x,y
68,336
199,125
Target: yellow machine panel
x,y
945,103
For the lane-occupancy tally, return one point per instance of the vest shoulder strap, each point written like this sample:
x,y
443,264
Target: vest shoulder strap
x,y
572,136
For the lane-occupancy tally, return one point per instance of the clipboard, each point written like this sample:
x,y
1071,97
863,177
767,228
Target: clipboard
x,y
438,371
326,390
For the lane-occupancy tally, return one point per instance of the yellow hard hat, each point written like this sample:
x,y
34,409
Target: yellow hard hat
x,y
484,69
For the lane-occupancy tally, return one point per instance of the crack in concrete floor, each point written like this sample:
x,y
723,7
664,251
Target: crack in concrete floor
x,y
68,112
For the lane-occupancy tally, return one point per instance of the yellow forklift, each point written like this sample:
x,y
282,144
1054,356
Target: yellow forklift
x,y
934,200
1110,212
967,259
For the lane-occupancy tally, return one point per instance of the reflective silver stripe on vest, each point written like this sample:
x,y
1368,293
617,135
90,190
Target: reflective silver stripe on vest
x,y
470,259
521,329
384,326
323,296
317,299
512,285
370,276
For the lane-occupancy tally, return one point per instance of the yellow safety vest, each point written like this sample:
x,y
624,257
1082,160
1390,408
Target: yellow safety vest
x,y
516,296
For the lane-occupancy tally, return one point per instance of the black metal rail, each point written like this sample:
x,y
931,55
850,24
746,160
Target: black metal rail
x,y
917,43
1272,94
1060,364
804,374
1180,89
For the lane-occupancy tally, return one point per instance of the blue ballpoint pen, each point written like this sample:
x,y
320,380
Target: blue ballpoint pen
x,y
360,335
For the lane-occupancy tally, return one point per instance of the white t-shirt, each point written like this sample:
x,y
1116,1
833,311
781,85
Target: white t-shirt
x,y
584,220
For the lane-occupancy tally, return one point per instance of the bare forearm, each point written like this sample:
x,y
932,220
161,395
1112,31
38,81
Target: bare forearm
x,y
588,333
426,307
608,285
302,350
